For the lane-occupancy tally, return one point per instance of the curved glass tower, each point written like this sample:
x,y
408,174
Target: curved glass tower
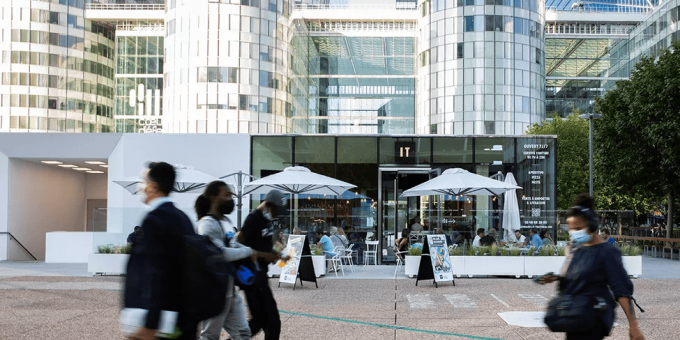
x,y
480,66
227,67
57,68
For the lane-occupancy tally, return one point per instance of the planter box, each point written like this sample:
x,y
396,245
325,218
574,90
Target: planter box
x,y
457,265
319,262
494,265
107,263
633,265
411,265
273,270
540,265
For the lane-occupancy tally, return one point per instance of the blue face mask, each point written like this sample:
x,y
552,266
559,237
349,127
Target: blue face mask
x,y
579,236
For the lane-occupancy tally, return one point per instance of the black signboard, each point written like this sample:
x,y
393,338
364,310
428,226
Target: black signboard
x,y
405,152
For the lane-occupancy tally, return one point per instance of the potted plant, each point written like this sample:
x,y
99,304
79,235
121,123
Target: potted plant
x,y
457,260
109,259
487,262
543,261
319,261
412,260
632,261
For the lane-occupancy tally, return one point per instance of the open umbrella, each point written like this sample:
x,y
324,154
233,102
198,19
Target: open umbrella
x,y
298,180
188,180
511,220
460,182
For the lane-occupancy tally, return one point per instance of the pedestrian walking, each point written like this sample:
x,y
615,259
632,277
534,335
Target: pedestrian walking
x,y
257,233
154,275
593,272
211,208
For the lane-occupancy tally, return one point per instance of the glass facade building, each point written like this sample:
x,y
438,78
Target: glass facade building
x,y
375,208
57,68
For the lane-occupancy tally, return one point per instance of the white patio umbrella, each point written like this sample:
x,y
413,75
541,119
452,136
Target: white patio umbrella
x,y
511,220
188,180
460,182
298,180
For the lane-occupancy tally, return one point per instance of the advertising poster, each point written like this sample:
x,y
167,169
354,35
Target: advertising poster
x,y
439,254
290,271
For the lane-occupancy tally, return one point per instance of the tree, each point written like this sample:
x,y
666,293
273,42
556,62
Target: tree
x,y
638,139
572,155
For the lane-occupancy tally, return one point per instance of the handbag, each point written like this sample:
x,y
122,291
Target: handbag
x,y
574,313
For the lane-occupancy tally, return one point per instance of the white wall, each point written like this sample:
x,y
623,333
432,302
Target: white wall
x,y
43,199
96,186
215,155
4,204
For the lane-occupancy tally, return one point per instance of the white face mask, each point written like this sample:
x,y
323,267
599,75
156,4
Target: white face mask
x,y
141,186
580,236
267,215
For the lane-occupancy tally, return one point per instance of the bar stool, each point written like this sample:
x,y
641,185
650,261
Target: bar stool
x,y
371,252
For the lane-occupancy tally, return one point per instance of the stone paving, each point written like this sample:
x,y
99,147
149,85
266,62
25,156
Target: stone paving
x,y
52,307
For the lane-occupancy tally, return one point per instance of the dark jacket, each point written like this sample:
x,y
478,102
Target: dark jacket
x,y
154,270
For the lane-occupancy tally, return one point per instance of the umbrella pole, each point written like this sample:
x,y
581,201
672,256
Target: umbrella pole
x,y
239,197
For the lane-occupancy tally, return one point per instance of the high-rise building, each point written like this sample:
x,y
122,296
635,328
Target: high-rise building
x,y
488,67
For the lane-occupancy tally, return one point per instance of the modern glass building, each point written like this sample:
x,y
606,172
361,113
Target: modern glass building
x,y
482,67
381,171
57,68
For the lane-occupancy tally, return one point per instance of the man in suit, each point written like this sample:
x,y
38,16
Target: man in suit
x,y
154,272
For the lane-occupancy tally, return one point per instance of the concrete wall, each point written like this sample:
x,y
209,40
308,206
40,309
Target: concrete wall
x,y
215,155
43,199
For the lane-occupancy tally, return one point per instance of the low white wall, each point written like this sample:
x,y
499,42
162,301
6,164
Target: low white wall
x,y
75,247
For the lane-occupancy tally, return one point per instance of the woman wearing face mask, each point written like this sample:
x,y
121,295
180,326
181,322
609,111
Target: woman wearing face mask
x,y
211,208
595,269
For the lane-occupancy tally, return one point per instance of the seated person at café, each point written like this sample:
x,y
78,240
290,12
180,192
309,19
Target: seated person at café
x,y
545,236
535,240
521,239
489,239
440,231
604,235
416,226
325,243
402,244
457,237
296,231
338,239
480,234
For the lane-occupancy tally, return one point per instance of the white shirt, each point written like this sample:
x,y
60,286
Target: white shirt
x,y
522,239
475,242
157,202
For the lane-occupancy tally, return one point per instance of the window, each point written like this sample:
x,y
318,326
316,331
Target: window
x,y
518,26
460,51
469,23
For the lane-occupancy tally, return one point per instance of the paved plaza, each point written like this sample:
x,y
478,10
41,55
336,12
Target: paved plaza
x,y
45,305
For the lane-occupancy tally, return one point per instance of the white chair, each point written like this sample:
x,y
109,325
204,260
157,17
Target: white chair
x,y
347,256
336,260
371,252
400,260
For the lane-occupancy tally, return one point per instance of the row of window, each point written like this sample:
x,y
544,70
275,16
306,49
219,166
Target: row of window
x,y
56,60
481,49
217,75
489,102
139,65
73,3
440,5
57,18
502,23
252,103
56,82
485,76
57,124
140,46
57,103
68,41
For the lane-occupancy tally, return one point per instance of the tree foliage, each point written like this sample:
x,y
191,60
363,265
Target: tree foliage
x,y
638,140
572,155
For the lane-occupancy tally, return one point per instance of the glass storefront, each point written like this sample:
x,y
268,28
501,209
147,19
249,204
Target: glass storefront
x,y
383,167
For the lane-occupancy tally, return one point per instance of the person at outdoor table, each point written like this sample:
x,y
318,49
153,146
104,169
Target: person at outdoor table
x,y
457,237
595,269
604,234
545,236
325,243
489,239
440,231
296,231
480,234
279,240
338,239
521,239
132,238
416,226
402,244
535,240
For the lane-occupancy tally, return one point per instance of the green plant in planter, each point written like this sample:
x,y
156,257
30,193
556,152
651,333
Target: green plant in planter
x,y
560,251
484,250
317,251
547,251
107,249
493,250
625,249
126,249
505,251
456,251
634,251
515,252
532,251
415,251
472,251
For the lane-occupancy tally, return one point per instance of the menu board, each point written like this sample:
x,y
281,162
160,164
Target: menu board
x,y
439,255
290,271
537,178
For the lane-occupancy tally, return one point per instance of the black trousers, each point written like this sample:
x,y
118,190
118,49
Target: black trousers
x,y
594,335
265,314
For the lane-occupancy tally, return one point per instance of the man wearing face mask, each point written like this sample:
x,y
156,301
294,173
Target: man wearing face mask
x,y
211,208
257,233
153,281
594,269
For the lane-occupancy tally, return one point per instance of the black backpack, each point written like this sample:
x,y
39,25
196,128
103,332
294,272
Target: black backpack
x,y
205,278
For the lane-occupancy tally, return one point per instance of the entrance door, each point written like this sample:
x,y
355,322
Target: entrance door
x,y
396,212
